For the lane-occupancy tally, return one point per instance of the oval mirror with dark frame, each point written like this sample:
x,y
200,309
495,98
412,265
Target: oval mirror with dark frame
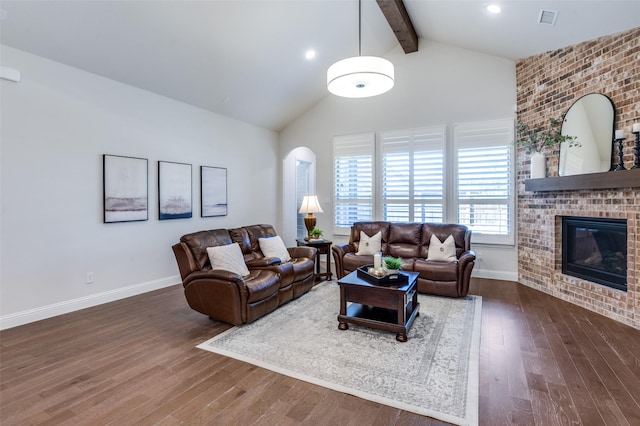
x,y
590,120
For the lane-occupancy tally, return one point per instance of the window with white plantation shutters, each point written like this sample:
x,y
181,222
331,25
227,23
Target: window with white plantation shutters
x,y
412,173
354,179
483,179
417,175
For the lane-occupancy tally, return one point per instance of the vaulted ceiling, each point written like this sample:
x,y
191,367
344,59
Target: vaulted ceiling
x,y
246,59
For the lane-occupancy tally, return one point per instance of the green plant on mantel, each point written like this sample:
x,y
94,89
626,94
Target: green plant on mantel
x,y
534,140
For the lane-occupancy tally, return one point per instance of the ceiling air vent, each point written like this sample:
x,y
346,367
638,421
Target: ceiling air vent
x,y
547,17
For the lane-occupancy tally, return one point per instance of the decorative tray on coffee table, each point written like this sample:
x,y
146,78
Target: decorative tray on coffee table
x,y
389,279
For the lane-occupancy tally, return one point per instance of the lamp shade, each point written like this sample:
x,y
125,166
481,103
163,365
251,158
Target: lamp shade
x,y
360,77
310,204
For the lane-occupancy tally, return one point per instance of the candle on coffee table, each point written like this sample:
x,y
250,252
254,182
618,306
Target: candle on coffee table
x,y
377,261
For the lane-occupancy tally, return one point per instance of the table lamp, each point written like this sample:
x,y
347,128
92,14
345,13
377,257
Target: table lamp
x,y
310,205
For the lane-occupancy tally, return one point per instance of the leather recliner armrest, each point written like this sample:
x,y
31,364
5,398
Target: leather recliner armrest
x,y
219,294
339,252
465,266
218,277
343,248
263,262
465,258
302,251
275,264
215,274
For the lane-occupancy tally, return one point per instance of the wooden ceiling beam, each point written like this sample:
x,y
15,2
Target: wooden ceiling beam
x,y
400,23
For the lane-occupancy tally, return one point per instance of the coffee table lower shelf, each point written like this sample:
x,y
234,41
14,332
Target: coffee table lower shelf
x,y
378,318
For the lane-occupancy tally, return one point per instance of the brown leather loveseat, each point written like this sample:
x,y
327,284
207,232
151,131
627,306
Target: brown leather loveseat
x,y
230,297
411,241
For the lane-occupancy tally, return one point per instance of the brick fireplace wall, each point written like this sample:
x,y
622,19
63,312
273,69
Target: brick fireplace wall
x,y
547,85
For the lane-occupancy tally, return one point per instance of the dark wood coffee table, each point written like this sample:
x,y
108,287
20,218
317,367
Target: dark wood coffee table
x,y
389,308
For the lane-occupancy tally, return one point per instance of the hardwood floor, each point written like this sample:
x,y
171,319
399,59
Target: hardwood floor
x,y
542,362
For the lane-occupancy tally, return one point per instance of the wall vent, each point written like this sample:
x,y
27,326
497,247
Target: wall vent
x,y
547,17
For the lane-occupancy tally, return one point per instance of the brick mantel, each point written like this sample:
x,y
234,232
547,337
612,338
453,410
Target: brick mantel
x,y
547,86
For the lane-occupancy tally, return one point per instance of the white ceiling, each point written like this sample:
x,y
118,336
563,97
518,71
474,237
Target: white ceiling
x,y
245,59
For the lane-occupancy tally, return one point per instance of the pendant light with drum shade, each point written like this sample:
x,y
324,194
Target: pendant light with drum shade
x,y
360,76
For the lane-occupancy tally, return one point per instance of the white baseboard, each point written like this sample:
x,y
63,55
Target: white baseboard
x,y
494,275
44,312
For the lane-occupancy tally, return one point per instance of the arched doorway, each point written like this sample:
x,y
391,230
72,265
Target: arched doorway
x,y
298,180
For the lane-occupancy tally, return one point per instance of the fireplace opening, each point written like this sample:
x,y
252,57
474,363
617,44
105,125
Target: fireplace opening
x,y
595,249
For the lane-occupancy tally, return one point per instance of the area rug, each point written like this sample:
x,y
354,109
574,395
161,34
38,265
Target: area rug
x,y
435,373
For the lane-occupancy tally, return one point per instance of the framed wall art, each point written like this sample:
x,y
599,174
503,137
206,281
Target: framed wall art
x,y
213,191
125,188
174,190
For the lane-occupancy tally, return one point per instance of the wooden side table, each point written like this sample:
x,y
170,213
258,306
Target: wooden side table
x,y
324,247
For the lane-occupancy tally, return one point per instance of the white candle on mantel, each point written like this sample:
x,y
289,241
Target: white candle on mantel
x,y
636,127
619,134
377,261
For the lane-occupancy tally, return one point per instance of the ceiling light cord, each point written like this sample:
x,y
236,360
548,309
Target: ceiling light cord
x,y
359,27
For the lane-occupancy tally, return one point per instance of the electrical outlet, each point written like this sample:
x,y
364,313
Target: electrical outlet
x,y
89,277
479,257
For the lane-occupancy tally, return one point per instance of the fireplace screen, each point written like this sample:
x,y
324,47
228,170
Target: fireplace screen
x,y
595,249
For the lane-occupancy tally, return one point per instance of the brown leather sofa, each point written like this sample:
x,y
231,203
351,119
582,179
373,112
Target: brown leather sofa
x,y
229,297
410,241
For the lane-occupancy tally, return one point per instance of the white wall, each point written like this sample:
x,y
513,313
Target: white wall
x,y
439,84
55,125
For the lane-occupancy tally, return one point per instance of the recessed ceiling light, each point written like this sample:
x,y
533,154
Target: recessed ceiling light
x,y
493,8
310,54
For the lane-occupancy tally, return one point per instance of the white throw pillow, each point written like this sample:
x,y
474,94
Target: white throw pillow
x,y
274,247
369,245
444,252
228,258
